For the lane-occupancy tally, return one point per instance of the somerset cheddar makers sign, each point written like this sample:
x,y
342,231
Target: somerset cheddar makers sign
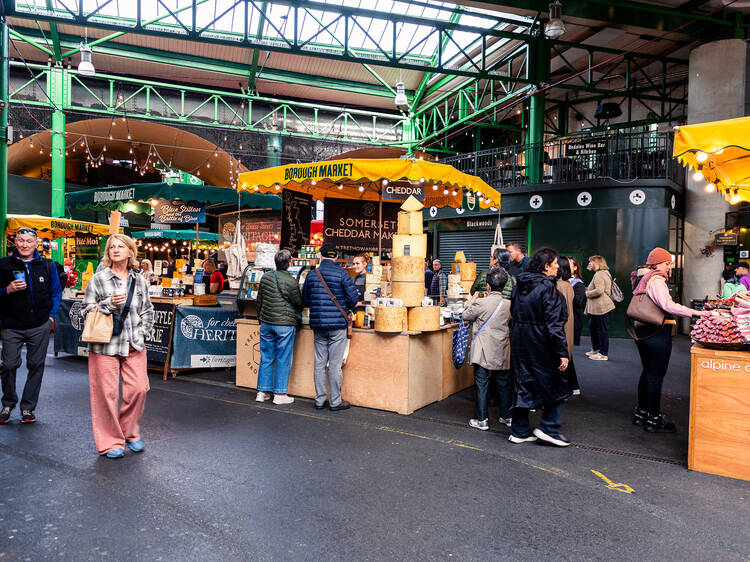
x,y
352,225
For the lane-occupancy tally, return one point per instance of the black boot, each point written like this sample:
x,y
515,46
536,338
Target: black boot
x,y
639,416
659,424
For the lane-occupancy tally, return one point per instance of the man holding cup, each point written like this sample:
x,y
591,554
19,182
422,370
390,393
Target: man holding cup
x,y
30,295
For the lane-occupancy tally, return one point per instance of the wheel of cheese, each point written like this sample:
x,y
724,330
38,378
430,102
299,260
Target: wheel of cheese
x,y
408,268
390,318
411,294
410,245
424,318
468,271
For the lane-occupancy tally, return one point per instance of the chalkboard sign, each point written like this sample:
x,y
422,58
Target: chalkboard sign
x,y
180,212
296,214
352,225
157,342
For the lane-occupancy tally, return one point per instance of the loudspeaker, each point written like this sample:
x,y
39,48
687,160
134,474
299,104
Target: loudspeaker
x,y
607,110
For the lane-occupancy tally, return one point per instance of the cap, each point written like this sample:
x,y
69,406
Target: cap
x,y
742,264
328,251
657,256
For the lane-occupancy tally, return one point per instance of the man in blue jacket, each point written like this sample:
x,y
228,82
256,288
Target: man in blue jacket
x,y
30,295
329,324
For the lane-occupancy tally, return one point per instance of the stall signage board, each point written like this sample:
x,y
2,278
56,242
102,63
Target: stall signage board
x,y
157,342
253,231
87,251
352,225
69,327
397,192
204,338
586,147
296,214
726,239
180,212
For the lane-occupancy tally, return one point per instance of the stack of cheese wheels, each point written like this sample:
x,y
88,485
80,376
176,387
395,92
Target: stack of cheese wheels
x,y
424,318
409,253
408,279
390,318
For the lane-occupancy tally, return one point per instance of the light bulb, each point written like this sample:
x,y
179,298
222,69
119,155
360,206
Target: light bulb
x,y
710,188
445,192
718,152
277,186
735,199
313,182
341,186
698,176
434,187
453,193
701,157
361,188
385,182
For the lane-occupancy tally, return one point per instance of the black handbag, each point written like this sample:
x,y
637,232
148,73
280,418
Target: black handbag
x,y
118,318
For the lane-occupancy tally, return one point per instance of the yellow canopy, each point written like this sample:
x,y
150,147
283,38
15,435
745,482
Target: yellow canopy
x,y
720,152
49,227
366,178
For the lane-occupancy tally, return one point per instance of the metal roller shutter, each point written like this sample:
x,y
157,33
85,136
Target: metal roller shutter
x,y
475,244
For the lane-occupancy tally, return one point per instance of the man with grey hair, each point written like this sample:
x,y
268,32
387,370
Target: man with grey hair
x,y
439,284
30,295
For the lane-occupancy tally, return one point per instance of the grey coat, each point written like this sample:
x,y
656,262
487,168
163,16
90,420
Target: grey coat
x,y
491,349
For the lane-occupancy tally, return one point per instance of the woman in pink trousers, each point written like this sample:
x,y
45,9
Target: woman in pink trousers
x,y
120,290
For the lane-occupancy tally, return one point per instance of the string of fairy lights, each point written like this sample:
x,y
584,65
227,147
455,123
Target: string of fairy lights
x,y
165,245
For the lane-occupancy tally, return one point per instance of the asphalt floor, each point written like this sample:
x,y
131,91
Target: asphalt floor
x,y
226,478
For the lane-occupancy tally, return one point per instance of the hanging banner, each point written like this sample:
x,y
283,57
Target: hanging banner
x,y
179,212
253,230
296,214
352,225
397,192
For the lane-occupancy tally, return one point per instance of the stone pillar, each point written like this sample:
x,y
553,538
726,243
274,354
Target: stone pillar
x,y
713,95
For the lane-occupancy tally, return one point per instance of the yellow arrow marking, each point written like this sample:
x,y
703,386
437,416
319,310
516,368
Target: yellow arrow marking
x,y
612,486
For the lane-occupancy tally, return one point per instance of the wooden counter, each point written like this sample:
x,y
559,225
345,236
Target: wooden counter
x,y
395,372
720,412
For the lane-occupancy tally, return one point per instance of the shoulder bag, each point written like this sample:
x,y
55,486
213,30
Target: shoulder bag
x,y
615,293
460,347
297,314
336,302
100,328
643,309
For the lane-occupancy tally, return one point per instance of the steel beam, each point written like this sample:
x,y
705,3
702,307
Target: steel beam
x,y
57,92
4,82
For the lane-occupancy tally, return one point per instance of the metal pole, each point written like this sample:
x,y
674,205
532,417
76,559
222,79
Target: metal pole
x,y
57,80
4,79
380,224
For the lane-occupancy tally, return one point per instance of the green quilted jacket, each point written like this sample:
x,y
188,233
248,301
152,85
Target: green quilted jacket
x,y
480,284
272,308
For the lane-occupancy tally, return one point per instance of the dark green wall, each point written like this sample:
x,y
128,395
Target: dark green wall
x,y
623,236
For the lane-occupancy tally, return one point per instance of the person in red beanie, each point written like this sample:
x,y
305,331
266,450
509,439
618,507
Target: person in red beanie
x,y
655,342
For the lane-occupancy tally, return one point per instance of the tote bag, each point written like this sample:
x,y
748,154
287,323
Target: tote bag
x,y
460,343
97,328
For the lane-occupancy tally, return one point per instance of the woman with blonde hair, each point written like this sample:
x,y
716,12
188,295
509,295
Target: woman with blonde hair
x,y
148,272
598,307
118,289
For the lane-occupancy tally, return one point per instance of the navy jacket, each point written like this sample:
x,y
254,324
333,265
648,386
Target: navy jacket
x,y
324,314
40,300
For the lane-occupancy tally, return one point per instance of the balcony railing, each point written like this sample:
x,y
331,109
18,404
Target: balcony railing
x,y
618,157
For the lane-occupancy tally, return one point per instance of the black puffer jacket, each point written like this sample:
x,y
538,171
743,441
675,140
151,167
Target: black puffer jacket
x,y
272,308
537,341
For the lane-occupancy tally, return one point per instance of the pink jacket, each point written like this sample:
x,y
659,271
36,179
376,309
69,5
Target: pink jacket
x,y
659,293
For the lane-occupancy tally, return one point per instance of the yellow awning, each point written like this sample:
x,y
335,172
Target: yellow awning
x,y
720,151
49,227
366,178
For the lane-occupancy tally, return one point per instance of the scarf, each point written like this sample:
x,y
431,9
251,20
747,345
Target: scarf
x,y
643,283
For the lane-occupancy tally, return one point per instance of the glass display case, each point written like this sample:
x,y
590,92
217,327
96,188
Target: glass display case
x,y
250,282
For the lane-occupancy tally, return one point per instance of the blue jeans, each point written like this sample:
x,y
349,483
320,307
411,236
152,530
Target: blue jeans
x,y
276,345
550,424
503,387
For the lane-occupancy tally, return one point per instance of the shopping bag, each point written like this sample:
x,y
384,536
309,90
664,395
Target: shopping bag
x,y
97,328
460,343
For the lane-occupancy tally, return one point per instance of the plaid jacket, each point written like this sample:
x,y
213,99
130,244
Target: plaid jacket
x,y
139,321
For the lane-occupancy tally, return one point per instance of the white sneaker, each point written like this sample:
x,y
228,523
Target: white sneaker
x,y
514,439
479,424
560,441
282,399
591,352
507,421
262,396
599,357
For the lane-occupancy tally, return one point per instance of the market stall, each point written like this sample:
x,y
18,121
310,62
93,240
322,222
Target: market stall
x,y
403,323
720,368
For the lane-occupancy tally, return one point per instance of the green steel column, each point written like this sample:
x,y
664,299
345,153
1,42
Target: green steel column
x,y
539,71
4,79
273,150
56,86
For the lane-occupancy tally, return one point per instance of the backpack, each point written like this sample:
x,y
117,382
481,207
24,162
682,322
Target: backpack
x,y
615,293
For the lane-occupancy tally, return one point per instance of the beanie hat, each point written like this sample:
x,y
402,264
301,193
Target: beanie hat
x,y
657,256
